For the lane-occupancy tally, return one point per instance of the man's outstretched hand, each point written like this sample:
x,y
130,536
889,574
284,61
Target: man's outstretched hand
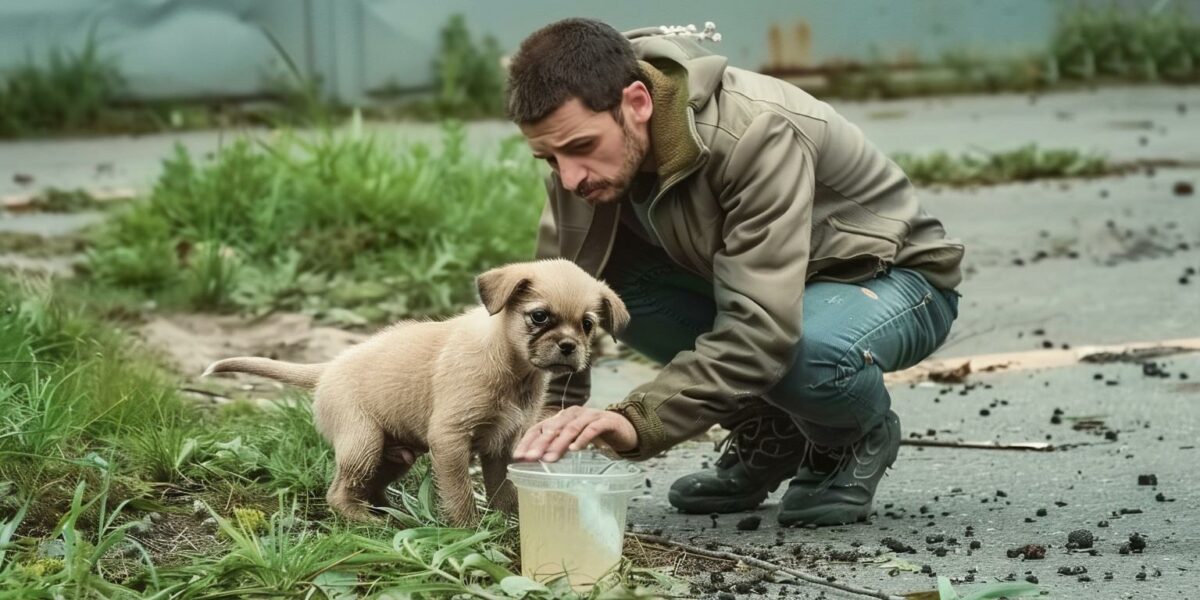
x,y
572,429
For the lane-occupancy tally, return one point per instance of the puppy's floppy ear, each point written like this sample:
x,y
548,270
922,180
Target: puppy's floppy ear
x,y
499,286
615,316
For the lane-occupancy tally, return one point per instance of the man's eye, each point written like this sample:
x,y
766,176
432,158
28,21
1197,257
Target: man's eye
x,y
587,325
539,317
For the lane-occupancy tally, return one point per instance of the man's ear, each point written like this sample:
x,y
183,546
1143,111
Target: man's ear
x,y
615,316
499,286
638,101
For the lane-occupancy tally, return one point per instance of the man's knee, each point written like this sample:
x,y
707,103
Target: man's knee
x,y
820,369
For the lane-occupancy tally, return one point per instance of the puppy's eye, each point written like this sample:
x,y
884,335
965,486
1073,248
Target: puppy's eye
x,y
539,317
587,325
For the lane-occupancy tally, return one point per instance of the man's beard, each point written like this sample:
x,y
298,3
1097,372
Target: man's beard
x,y
614,188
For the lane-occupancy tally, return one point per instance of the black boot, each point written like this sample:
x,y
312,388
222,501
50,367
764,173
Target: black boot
x,y
757,455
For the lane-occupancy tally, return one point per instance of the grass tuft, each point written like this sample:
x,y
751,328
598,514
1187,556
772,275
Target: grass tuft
x,y
338,225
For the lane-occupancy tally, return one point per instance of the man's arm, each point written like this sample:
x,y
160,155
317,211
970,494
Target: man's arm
x,y
758,283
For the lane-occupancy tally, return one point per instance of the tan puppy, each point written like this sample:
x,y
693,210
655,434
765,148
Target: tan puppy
x,y
470,384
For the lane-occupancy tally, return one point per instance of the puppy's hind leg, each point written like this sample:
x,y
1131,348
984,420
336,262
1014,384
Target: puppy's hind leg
x,y
392,466
358,454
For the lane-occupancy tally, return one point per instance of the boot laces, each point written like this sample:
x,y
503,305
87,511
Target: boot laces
x,y
760,441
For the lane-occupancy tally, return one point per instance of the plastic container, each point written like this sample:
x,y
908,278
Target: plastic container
x,y
572,515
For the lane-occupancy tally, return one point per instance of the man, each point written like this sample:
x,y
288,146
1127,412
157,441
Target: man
x,y
772,259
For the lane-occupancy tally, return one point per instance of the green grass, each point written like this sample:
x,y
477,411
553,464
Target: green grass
x,y
986,168
71,92
112,485
1128,45
339,225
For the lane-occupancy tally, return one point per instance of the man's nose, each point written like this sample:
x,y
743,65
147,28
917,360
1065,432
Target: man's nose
x,y
572,174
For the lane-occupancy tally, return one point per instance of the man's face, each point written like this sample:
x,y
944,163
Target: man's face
x,y
595,156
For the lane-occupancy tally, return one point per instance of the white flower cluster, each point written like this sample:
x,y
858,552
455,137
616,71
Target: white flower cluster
x,y
709,33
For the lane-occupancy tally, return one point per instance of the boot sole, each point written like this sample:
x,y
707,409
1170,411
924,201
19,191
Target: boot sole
x,y
838,513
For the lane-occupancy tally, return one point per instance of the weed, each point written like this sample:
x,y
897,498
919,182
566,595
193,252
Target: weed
x,y
72,92
1022,164
337,225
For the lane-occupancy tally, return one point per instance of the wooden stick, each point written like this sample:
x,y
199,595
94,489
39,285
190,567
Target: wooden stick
x,y
764,565
1030,446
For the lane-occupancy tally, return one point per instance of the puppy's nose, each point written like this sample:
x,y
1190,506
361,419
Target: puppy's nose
x,y
567,347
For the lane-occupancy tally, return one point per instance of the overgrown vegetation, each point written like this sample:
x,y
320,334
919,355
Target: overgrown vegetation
x,y
1089,46
111,485
73,91
336,225
1022,164
469,78
1143,46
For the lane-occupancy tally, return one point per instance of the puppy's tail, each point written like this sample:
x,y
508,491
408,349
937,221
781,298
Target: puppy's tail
x,y
305,376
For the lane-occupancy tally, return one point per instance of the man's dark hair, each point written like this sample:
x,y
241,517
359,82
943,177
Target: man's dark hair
x,y
572,58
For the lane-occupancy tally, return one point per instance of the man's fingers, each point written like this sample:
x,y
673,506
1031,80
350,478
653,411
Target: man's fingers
x,y
567,435
589,433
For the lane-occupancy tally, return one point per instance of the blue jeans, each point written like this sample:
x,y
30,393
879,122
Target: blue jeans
x,y
852,334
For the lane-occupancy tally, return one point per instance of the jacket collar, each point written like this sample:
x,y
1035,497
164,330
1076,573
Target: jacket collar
x,y
675,148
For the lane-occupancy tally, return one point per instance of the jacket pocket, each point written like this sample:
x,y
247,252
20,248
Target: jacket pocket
x,y
878,228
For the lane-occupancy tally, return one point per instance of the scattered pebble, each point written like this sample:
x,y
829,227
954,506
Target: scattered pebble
x,y
1150,479
1182,188
897,546
1029,551
750,523
1081,539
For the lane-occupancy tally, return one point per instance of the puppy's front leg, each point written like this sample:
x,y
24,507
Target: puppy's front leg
x,y
451,457
501,493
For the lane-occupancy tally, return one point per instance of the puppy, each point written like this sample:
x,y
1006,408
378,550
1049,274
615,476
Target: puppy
x,y
470,384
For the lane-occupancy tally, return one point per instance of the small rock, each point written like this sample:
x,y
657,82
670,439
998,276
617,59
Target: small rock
x,y
897,546
1182,188
1029,551
1041,512
975,545
1150,479
1137,543
750,523
1031,578
1081,539
1080,570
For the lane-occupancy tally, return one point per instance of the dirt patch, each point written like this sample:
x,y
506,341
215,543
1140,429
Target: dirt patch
x,y
192,342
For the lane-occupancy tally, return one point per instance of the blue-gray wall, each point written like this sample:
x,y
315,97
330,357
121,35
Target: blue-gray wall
x,y
178,48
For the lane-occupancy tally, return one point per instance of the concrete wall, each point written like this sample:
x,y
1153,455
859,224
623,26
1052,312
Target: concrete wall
x,y
217,48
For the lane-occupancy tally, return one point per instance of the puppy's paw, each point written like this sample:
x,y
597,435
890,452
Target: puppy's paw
x,y
505,499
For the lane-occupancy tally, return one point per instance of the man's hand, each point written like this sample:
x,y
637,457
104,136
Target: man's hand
x,y
572,429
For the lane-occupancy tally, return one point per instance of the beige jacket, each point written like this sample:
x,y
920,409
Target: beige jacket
x,y
761,187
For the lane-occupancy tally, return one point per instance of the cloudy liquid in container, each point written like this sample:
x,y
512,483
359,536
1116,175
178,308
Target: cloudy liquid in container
x,y
574,533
